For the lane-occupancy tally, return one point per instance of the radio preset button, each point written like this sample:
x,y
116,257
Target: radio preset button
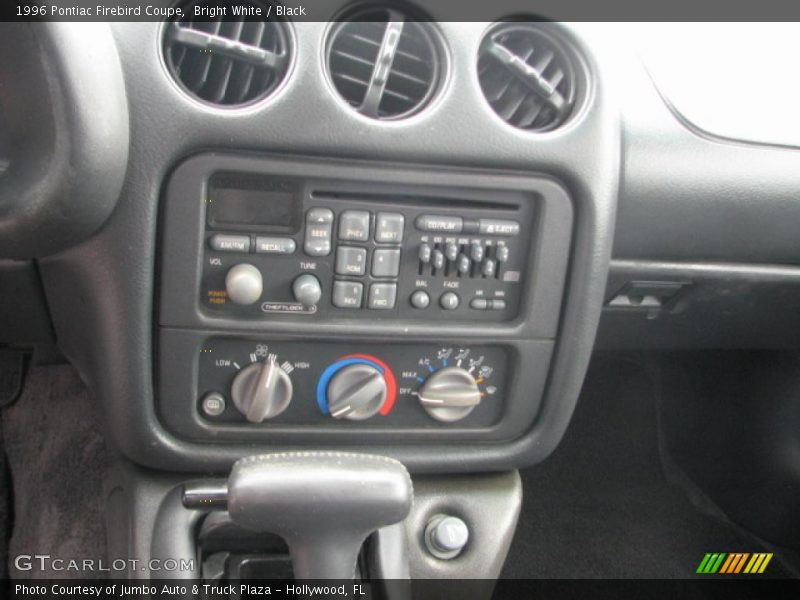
x,y
222,242
319,224
389,227
451,251
386,262
354,226
498,227
439,223
351,261
347,294
382,295
275,245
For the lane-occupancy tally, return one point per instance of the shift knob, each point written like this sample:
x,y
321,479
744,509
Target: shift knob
x,y
323,504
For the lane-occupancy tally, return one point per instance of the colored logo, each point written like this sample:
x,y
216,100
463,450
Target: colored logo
x,y
734,563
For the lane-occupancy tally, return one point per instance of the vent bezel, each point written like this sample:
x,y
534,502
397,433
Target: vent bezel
x,y
432,36
283,27
569,57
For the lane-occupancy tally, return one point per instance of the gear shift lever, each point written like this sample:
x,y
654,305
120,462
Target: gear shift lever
x,y
324,504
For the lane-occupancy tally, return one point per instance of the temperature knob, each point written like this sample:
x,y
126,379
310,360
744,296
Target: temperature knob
x,y
261,391
356,392
449,394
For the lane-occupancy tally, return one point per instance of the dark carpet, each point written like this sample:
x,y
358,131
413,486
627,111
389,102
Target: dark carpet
x,y
601,506
57,461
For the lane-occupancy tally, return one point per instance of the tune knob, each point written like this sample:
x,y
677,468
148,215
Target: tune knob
x,y
449,394
244,284
356,392
261,391
307,290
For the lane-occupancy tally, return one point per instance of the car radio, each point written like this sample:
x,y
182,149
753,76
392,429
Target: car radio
x,y
276,246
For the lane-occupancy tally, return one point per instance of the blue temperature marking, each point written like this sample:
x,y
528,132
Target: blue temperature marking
x,y
430,368
420,379
327,374
444,362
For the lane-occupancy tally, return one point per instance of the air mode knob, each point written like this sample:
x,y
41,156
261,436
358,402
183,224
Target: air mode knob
x,y
356,392
261,391
449,395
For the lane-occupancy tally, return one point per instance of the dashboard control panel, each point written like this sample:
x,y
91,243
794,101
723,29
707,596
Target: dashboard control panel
x,y
278,246
325,302
264,384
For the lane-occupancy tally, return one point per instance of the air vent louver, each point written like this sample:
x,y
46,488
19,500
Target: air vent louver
x,y
227,62
527,76
384,64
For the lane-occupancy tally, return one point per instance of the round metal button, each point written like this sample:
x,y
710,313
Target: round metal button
x,y
449,301
420,299
213,404
446,536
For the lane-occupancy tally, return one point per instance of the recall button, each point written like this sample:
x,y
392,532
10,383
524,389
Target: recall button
x,y
275,245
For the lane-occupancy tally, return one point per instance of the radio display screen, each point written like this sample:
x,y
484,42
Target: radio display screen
x,y
253,203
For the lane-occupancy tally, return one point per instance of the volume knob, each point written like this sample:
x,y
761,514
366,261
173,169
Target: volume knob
x,y
261,391
449,395
244,284
357,392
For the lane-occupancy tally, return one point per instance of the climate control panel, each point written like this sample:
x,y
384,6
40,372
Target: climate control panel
x,y
268,384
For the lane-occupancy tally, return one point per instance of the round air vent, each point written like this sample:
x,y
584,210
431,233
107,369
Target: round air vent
x,y
527,76
383,63
227,61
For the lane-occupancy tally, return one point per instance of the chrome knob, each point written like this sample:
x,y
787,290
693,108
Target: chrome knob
x,y
357,392
261,391
449,395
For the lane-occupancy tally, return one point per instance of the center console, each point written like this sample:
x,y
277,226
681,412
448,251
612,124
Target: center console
x,y
310,301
